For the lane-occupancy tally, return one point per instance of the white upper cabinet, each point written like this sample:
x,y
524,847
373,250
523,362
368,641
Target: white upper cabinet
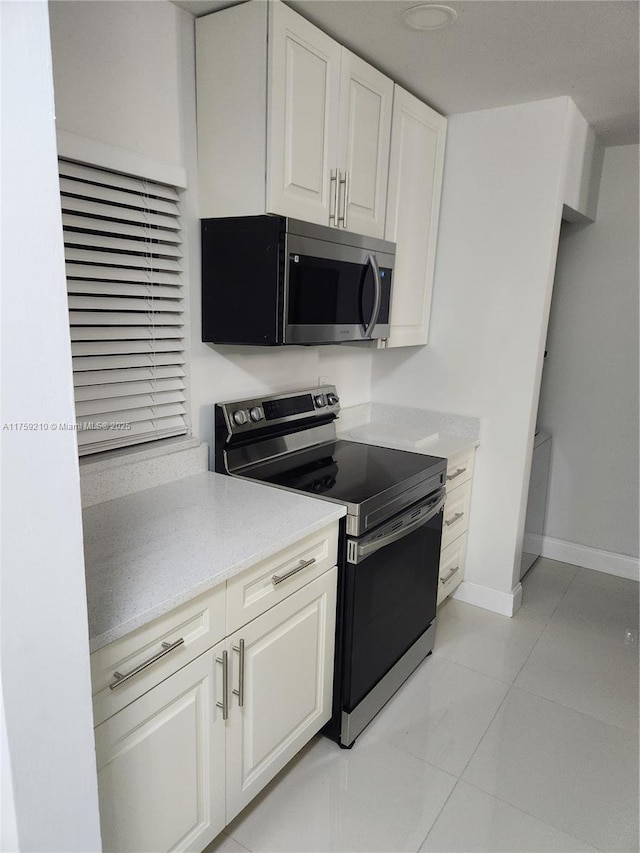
x,y
324,148
290,122
413,207
366,99
302,110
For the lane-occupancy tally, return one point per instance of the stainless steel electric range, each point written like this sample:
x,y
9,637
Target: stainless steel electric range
x,y
390,539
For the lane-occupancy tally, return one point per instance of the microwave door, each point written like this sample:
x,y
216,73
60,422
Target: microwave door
x,y
331,300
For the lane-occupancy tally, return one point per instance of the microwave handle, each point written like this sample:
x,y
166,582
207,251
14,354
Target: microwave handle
x,y
373,263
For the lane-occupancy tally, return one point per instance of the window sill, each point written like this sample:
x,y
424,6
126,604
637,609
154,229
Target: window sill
x,y
116,473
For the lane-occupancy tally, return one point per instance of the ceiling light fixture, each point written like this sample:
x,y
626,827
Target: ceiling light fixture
x,y
429,16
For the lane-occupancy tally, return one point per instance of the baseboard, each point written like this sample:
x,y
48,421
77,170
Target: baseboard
x,y
591,558
504,603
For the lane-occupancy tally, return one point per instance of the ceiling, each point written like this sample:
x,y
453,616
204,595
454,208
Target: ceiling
x,y
498,52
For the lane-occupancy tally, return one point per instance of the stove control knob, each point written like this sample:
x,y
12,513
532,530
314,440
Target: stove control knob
x,y
332,399
256,414
240,417
321,401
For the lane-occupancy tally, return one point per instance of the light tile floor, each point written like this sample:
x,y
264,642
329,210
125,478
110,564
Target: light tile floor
x,y
515,735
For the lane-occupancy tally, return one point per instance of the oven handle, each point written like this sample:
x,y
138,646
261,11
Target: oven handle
x,y
434,508
372,261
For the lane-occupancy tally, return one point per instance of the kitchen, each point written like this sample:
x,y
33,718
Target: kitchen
x,y
220,375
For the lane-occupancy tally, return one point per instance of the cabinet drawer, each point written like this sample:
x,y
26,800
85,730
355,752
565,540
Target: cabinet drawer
x,y
199,624
257,589
451,567
460,468
456,513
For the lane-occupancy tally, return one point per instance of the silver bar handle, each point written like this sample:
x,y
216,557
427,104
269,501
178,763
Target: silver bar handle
x,y
450,575
333,182
450,521
345,201
166,648
224,660
347,193
373,263
276,579
343,182
240,691
371,547
457,473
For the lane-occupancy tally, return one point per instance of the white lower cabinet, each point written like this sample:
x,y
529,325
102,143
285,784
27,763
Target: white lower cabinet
x,y
455,521
288,674
180,761
161,765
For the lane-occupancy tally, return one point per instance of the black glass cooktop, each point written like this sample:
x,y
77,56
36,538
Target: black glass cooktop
x,y
347,471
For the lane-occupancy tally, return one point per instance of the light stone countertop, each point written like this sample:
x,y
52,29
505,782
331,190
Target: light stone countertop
x,y
148,552
406,428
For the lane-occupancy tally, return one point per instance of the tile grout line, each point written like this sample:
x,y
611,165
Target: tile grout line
x,y
235,841
554,701
435,820
511,687
542,633
484,734
535,817
441,656
459,778
574,710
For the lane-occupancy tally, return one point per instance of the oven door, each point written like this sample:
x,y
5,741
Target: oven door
x,y
390,594
334,292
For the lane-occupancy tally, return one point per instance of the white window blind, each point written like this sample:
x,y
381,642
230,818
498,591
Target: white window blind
x,y
123,254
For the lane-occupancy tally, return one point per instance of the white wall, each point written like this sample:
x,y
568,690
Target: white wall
x,y
116,74
8,824
589,397
44,650
499,224
125,76
583,168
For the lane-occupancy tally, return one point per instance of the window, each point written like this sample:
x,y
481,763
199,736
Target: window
x,y
123,251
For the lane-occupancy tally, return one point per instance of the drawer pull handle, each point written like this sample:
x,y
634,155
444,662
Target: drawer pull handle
x,y
276,579
456,517
166,648
240,691
457,473
449,576
224,660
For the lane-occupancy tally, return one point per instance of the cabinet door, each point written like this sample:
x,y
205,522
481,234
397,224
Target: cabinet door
x,y
288,674
413,205
366,98
161,765
302,116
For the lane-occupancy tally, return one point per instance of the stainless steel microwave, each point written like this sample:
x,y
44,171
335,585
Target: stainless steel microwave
x,y
272,281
